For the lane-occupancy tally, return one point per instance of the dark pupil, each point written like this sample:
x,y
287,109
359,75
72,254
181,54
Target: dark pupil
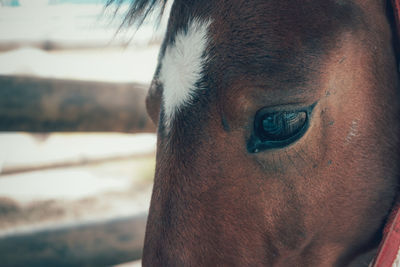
x,y
282,125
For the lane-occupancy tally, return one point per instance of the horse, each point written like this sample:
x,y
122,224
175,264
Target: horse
x,y
278,132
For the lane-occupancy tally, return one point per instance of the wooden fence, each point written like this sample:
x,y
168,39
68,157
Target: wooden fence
x,y
41,105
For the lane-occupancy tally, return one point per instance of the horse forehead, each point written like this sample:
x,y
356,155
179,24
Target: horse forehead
x,y
261,31
266,20
248,38
182,67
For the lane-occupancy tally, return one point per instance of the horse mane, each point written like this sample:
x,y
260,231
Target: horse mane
x,y
139,10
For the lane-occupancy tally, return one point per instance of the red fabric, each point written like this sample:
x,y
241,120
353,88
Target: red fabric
x,y
396,9
390,244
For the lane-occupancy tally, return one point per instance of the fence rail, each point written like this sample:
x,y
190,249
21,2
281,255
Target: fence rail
x,y
95,244
34,104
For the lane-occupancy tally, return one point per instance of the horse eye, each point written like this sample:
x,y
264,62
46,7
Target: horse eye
x,y
281,125
278,129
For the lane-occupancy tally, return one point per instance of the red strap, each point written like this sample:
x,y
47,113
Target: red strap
x,y
390,244
396,13
389,248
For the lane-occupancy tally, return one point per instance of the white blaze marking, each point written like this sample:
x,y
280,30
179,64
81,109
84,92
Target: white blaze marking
x,y
182,67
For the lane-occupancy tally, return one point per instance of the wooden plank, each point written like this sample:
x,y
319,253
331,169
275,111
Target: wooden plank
x,y
72,163
96,244
34,104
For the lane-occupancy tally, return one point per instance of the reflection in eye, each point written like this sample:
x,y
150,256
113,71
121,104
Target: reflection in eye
x,y
278,129
282,125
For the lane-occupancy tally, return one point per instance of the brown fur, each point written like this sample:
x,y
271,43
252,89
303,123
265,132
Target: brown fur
x,y
321,201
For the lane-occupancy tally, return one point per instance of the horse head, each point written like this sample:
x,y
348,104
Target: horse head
x,y
278,132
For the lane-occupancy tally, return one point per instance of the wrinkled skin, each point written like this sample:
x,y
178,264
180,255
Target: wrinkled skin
x,y
321,201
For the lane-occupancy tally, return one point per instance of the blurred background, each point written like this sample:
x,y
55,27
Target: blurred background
x,y
77,150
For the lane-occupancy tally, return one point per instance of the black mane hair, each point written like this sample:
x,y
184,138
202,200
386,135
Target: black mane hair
x,y
139,10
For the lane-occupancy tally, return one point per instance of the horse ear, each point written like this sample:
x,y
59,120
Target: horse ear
x,y
139,10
